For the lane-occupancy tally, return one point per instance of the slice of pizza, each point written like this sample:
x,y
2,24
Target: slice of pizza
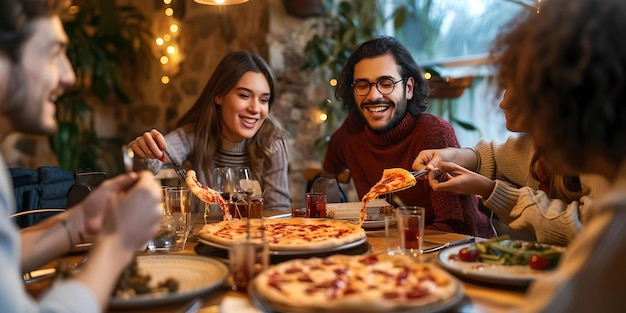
x,y
206,194
393,180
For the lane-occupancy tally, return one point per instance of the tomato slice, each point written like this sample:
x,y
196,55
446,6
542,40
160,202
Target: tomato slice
x,y
538,262
468,255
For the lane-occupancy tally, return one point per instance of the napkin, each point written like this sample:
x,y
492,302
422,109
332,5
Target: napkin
x,y
352,210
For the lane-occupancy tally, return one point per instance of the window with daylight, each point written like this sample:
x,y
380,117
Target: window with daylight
x,y
453,38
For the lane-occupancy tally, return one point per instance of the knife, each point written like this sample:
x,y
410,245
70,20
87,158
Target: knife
x,y
449,244
193,306
38,275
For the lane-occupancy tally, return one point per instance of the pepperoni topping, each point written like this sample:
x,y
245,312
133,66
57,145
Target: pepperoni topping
x,y
417,293
274,284
370,259
391,295
293,270
305,279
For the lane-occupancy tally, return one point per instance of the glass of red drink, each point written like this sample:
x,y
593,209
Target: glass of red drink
x,y
410,221
315,204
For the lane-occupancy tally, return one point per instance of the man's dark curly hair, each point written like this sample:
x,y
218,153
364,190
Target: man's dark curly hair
x,y
567,69
407,68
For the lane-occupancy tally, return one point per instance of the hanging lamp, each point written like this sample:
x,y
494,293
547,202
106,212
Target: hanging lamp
x,y
220,2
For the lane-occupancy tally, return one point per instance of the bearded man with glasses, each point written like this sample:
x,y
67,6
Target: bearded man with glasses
x,y
386,94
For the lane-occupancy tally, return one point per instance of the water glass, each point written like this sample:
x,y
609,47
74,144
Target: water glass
x,y
298,207
246,259
165,239
179,209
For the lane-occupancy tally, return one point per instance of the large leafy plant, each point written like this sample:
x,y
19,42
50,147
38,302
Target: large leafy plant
x,y
109,49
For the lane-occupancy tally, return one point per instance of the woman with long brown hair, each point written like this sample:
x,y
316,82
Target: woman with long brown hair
x,y
229,125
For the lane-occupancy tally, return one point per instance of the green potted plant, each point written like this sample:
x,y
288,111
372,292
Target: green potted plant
x,y
109,49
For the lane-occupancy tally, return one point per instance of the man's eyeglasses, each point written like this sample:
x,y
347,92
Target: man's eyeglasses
x,y
384,86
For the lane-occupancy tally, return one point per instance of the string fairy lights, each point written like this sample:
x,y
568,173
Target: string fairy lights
x,y
166,47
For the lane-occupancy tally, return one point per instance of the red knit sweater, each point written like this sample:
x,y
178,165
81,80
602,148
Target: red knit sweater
x,y
367,153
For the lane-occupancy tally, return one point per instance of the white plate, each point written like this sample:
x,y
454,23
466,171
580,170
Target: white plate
x,y
293,252
196,275
367,224
510,275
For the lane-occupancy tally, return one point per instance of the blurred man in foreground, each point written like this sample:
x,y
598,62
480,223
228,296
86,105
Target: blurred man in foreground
x,y
121,215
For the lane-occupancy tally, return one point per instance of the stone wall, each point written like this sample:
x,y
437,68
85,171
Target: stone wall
x,y
205,35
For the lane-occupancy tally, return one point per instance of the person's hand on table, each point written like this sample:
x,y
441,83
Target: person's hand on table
x,y
150,145
457,179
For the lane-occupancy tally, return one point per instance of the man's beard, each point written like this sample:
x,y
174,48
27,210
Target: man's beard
x,y
20,109
396,118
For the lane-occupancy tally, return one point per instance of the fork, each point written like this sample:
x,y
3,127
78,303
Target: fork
x,y
419,173
180,171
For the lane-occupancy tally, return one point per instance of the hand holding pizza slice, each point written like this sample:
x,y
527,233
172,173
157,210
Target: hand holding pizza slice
x,y
393,180
206,194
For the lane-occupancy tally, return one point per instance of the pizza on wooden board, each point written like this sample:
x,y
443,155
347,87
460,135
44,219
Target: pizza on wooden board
x,y
365,283
206,194
286,234
393,180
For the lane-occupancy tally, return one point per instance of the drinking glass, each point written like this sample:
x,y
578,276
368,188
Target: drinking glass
x,y
165,239
243,182
315,204
410,221
178,208
223,181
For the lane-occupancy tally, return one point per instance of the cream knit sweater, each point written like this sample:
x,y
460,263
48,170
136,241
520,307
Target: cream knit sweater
x,y
516,200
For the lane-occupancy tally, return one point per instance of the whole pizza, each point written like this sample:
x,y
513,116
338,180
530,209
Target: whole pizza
x,y
369,283
286,234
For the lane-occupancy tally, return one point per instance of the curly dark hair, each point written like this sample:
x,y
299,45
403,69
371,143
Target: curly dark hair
x,y
567,67
406,64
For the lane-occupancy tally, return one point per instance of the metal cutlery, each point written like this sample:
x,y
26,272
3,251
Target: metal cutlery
x,y
449,244
419,173
37,275
192,306
180,171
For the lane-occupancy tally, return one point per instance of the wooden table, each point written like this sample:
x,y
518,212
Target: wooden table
x,y
479,297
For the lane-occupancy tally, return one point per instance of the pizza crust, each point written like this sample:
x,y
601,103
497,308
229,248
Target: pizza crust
x,y
206,194
286,234
341,283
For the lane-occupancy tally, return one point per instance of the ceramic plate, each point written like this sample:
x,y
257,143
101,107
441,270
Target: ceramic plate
x,y
196,275
294,252
510,275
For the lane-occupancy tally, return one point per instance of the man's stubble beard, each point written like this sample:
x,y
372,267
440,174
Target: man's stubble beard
x,y
397,117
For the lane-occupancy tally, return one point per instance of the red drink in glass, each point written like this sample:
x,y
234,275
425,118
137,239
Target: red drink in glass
x,y
316,204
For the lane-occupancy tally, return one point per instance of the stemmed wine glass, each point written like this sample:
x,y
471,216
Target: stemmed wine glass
x,y
223,181
243,182
243,188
